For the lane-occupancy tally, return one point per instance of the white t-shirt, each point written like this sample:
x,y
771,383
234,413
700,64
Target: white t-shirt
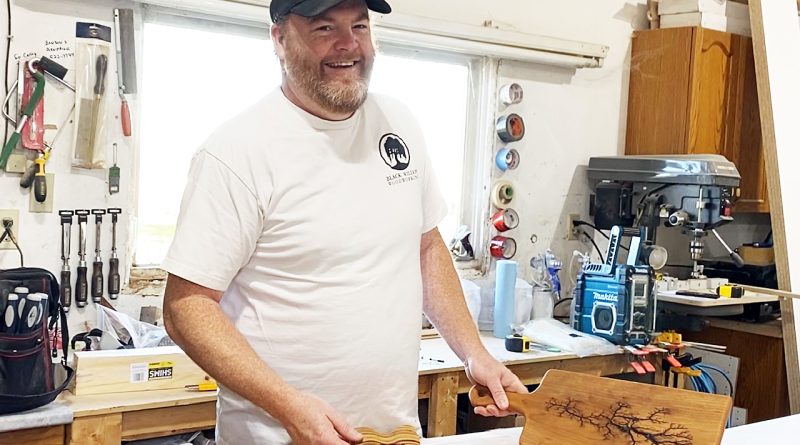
x,y
312,229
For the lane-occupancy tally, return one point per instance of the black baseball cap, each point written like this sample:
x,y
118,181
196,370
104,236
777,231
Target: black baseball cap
x,y
310,8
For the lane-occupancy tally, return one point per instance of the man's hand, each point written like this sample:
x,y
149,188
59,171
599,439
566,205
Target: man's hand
x,y
484,370
309,420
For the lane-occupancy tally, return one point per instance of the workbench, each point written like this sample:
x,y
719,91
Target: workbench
x,y
110,418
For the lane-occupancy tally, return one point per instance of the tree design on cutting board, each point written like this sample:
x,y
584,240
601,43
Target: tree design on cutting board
x,y
620,421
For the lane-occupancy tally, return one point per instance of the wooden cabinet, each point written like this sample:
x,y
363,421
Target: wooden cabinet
x,y
693,91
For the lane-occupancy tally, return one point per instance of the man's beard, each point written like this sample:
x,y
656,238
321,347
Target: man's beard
x,y
337,95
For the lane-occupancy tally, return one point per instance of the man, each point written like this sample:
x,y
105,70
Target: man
x,y
307,247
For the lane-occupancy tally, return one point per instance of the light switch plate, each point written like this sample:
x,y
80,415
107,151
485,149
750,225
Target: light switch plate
x,y
46,206
17,163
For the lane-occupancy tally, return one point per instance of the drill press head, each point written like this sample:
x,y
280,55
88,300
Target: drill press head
x,y
693,192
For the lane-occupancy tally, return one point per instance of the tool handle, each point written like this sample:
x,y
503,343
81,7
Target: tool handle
x,y
125,117
481,396
737,259
81,287
66,290
113,277
40,188
100,73
97,281
38,92
40,182
9,147
27,178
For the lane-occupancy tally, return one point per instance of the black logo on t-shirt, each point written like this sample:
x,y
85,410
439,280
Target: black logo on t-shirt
x,y
394,152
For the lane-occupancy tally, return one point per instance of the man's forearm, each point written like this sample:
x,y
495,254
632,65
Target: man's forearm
x,y
444,301
197,324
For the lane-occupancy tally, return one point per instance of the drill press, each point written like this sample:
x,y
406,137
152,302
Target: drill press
x,y
693,192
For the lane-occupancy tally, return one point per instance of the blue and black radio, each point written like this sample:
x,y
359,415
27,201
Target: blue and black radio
x,y
617,301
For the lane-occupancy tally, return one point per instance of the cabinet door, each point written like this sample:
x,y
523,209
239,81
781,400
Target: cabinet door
x,y
743,142
659,91
710,95
724,116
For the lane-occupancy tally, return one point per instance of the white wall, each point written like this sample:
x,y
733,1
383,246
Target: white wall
x,y
570,116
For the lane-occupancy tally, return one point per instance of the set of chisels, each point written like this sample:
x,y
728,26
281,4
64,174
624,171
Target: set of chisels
x,y
82,281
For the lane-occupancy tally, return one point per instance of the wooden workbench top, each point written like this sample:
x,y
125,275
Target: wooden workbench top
x,y
90,405
437,357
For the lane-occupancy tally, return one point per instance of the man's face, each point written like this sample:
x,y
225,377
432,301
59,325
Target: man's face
x,y
328,58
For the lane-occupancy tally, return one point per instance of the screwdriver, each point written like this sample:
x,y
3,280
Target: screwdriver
x,y
81,286
40,180
97,271
66,286
113,263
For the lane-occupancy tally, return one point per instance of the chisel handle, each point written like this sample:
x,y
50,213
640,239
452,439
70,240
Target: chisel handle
x,y
125,116
97,281
27,178
66,290
81,287
113,278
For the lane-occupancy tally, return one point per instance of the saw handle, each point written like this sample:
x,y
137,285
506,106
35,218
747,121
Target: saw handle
x,y
125,116
481,396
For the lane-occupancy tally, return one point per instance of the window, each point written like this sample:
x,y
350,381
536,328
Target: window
x,y
197,74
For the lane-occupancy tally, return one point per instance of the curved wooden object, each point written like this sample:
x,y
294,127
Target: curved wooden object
x,y
404,435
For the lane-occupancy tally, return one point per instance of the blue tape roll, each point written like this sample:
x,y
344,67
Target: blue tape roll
x,y
505,283
501,159
507,159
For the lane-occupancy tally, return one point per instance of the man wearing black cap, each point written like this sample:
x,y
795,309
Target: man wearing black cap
x,y
307,247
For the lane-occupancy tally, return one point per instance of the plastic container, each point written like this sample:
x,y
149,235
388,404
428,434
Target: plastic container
x,y
504,290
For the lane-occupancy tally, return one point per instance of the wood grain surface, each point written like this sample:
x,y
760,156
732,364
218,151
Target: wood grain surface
x,y
577,409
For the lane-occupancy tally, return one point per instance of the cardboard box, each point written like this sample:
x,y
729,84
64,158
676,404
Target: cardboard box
x,y
126,370
707,20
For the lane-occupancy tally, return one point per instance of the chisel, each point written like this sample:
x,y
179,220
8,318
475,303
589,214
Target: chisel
x,y
81,286
97,271
66,286
113,263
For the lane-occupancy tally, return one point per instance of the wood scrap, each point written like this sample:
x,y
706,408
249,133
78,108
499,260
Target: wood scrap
x,y
404,435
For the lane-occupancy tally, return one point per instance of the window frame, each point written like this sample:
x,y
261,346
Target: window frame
x,y
478,140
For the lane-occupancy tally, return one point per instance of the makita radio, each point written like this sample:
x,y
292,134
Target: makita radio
x,y
617,301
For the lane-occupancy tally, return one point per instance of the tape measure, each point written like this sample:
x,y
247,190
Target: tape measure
x,y
730,291
518,343
511,94
510,128
505,219
507,159
502,247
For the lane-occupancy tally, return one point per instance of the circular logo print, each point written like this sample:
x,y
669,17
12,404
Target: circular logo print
x,y
394,151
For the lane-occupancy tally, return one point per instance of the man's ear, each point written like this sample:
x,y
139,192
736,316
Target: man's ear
x,y
277,34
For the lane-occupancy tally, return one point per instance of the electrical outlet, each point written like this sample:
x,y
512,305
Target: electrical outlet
x,y
12,214
572,232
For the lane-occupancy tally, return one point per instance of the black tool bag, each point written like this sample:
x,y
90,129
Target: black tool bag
x,y
26,366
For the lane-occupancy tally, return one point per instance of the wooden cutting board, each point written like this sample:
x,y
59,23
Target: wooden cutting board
x,y
578,409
